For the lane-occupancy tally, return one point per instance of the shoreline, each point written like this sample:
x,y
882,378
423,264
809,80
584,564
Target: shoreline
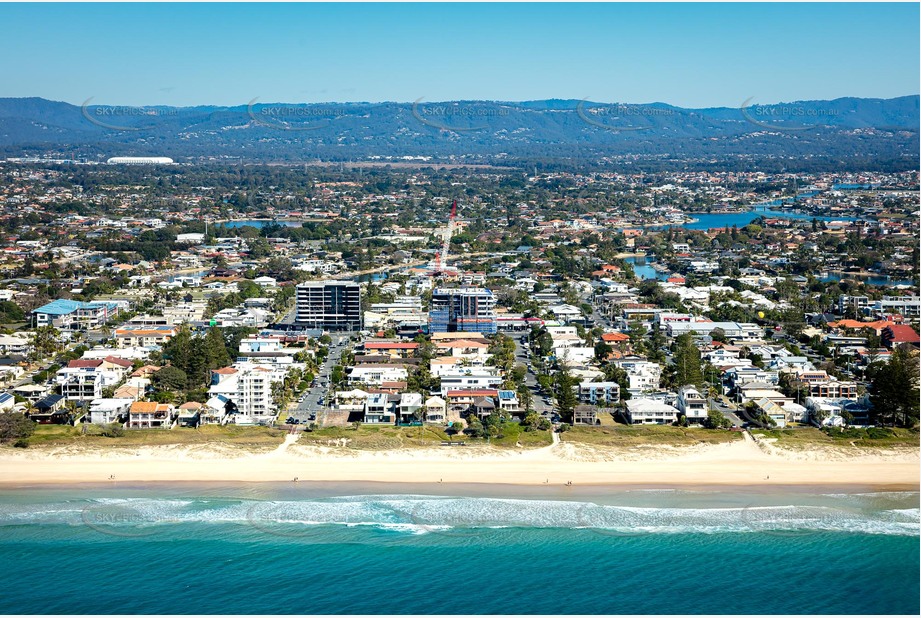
x,y
734,464
476,490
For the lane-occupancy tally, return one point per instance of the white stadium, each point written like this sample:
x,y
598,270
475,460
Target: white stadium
x,y
139,161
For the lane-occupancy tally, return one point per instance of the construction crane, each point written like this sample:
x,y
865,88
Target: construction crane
x,y
443,258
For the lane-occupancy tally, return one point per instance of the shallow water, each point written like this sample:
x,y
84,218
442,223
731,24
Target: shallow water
x,y
314,548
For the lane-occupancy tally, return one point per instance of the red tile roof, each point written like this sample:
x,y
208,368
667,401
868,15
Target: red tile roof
x,y
390,345
474,392
900,333
84,364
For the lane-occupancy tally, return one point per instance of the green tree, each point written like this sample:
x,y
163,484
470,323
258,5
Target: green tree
x,y
525,397
169,378
180,349
15,426
474,427
716,420
894,392
565,396
214,349
10,312
45,343
602,350
686,359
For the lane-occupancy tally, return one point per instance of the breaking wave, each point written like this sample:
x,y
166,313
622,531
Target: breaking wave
x,y
415,515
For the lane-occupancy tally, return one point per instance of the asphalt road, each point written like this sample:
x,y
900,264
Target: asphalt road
x,y
522,356
727,410
310,404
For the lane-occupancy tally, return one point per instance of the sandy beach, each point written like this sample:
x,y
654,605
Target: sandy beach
x,y
740,463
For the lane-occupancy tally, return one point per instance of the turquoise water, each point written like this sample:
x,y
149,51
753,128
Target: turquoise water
x,y
741,219
643,269
872,280
321,549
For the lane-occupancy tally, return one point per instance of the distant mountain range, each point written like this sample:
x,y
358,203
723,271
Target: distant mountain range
x,y
849,132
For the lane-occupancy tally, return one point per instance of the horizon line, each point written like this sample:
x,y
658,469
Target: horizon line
x,y
420,101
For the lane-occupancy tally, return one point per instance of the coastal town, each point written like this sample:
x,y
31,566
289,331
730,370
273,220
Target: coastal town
x,y
454,307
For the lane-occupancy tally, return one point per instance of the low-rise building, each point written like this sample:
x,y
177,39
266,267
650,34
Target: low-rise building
x,y
112,410
645,411
73,314
379,409
599,393
376,374
150,415
462,381
692,404
144,337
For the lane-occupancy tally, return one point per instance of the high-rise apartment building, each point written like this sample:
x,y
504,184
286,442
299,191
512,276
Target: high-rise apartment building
x,y
329,305
467,309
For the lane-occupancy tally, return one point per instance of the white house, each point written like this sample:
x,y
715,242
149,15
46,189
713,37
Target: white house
x,y
377,374
266,282
435,410
410,405
454,382
644,411
379,409
692,404
190,239
105,411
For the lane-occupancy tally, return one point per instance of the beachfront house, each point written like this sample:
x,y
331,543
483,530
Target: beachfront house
x,y
150,415
645,411
379,409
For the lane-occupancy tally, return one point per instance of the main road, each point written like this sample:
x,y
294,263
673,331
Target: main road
x,y
310,404
523,356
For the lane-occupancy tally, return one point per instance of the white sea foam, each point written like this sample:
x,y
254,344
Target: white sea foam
x,y
462,515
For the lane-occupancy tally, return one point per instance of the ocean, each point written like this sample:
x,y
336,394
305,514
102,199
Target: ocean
x,y
370,549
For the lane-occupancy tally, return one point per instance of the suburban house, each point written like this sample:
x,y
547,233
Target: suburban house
x,y
105,411
377,374
50,410
478,380
150,415
84,380
692,404
190,414
583,414
460,401
410,406
144,337
394,349
15,345
379,409
899,334
435,410
644,411
508,402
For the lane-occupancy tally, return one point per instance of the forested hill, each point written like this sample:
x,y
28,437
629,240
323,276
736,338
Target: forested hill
x,y
848,132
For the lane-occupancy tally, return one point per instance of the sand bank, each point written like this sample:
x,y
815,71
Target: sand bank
x,y
741,463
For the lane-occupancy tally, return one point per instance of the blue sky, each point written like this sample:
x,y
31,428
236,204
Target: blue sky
x,y
684,54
